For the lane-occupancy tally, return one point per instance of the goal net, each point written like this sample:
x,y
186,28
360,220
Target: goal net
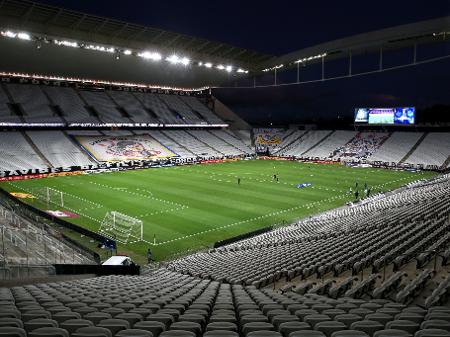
x,y
122,228
50,196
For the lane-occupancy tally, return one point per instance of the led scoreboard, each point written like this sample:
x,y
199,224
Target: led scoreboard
x,y
386,116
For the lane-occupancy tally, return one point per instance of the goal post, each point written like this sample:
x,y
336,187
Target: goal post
x,y
122,228
50,196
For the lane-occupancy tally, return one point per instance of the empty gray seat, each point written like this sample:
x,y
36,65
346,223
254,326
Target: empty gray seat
x,y
307,333
392,333
40,323
432,333
328,327
187,326
221,326
72,325
134,333
369,327
152,326
408,326
114,325
65,315
348,319
379,317
49,332
92,331
349,333
288,327
220,333
96,317
10,331
257,326
11,321
264,334
435,324
177,333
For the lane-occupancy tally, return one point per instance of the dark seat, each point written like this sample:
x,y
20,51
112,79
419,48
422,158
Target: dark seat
x,y
134,333
92,331
392,333
49,332
10,331
432,333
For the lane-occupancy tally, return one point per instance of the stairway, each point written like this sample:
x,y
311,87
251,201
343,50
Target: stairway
x,y
36,149
319,142
410,152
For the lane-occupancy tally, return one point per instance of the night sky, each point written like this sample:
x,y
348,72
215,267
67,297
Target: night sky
x,y
278,27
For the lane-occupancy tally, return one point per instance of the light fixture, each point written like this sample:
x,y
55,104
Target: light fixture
x,y
208,65
148,55
66,43
24,36
221,67
127,52
229,68
175,59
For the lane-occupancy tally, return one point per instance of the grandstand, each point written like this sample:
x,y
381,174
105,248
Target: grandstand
x,y
124,140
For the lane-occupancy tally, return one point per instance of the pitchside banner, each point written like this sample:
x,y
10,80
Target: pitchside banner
x,y
112,149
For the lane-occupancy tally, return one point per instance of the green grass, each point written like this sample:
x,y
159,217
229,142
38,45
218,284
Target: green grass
x,y
191,207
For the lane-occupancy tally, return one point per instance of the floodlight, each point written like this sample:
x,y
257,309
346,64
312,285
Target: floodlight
x,y
221,67
208,65
174,59
127,52
185,61
229,68
150,55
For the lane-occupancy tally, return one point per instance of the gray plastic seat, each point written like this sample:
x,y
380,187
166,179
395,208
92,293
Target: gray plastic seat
x,y
314,319
264,334
349,333
328,327
163,318
392,333
227,326
177,333
379,317
348,319
435,324
432,333
72,325
408,326
49,332
10,321
92,331
152,326
97,317
220,333
114,325
10,331
257,326
40,323
65,315
288,327
134,333
187,326
307,333
369,327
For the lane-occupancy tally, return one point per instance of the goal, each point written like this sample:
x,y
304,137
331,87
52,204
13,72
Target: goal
x,y
50,196
122,228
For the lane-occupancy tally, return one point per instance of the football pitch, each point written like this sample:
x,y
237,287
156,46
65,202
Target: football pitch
x,y
191,207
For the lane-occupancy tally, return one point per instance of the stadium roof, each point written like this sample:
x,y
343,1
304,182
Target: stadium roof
x,y
429,31
46,19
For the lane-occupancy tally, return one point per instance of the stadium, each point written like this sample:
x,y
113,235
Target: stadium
x,y
163,182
